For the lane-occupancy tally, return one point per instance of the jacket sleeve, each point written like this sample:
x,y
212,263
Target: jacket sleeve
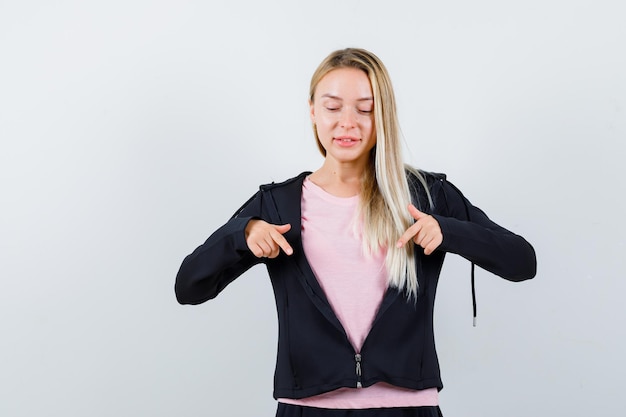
x,y
222,258
467,231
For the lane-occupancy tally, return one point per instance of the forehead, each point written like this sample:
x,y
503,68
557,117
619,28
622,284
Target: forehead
x,y
345,83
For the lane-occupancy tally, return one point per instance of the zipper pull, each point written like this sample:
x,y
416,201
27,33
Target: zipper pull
x,y
357,358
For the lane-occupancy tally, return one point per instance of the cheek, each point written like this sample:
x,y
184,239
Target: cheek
x,y
324,125
368,125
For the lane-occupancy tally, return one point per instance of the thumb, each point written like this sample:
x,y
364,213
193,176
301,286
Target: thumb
x,y
283,228
415,212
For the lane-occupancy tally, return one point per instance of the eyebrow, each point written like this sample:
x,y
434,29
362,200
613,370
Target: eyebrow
x,y
339,98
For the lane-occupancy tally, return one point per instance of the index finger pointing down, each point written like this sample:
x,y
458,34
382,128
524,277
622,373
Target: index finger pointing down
x,y
282,242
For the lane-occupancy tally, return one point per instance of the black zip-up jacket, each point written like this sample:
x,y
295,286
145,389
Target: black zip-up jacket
x,y
314,354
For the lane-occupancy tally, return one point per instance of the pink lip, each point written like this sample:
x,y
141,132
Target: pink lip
x,y
346,141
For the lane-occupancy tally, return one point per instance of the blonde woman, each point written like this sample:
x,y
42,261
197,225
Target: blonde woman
x,y
354,251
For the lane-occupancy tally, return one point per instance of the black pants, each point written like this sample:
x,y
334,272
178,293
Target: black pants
x,y
288,410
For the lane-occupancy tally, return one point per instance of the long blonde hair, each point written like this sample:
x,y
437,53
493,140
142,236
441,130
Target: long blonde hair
x,y
384,187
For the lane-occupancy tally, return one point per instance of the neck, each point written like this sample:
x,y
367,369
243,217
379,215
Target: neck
x,y
342,180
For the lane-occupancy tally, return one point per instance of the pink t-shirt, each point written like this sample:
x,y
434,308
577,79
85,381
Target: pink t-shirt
x,y
354,284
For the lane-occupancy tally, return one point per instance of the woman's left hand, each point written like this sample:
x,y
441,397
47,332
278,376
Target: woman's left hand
x,y
425,232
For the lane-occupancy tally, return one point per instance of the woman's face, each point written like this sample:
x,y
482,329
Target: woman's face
x,y
343,113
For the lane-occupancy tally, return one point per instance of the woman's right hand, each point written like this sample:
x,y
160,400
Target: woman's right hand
x,y
265,240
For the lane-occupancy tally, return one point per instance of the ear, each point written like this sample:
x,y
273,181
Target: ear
x,y
312,111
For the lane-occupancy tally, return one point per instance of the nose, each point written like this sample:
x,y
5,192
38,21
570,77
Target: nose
x,y
348,119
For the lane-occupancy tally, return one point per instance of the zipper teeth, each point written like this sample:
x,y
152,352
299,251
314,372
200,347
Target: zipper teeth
x,y
357,359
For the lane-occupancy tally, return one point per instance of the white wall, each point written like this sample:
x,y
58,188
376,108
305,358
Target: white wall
x,y
130,130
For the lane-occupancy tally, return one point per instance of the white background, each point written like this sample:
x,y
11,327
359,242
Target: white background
x,y
130,130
